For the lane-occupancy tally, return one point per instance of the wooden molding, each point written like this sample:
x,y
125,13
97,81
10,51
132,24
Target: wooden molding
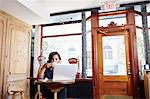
x,y
112,24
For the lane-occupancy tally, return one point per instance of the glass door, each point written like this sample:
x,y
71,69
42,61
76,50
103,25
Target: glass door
x,y
114,55
116,73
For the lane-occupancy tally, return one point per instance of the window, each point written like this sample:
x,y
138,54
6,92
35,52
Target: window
x,y
137,8
62,29
148,7
66,46
89,54
105,20
114,55
89,48
67,40
148,21
138,20
107,52
141,50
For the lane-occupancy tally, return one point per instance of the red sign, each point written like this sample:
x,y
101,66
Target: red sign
x,y
110,6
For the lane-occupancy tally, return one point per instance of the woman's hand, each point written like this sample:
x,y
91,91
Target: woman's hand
x,y
51,65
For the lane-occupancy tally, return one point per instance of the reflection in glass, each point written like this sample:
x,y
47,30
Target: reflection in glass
x,y
114,55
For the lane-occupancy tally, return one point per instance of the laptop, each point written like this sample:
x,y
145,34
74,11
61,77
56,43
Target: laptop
x,y
64,72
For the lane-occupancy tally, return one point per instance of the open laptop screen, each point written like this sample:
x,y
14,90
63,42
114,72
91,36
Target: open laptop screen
x,y
64,72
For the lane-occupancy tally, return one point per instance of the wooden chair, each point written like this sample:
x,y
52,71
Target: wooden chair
x,y
147,83
15,92
38,94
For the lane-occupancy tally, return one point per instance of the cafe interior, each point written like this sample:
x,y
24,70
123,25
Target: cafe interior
x,y
108,42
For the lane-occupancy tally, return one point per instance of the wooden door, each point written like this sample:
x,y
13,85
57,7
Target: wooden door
x,y
15,42
114,67
19,59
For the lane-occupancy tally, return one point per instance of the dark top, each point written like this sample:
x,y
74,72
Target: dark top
x,y
48,73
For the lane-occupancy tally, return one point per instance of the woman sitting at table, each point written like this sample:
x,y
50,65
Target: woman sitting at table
x,y
47,72
47,69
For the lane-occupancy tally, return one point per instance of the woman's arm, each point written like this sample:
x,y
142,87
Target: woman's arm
x,y
41,72
47,65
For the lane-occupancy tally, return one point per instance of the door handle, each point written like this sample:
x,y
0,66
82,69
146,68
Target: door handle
x,y
129,69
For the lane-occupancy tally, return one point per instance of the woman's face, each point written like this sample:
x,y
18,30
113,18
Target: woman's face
x,y
56,58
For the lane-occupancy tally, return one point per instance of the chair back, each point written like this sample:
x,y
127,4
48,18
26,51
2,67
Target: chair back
x,y
73,60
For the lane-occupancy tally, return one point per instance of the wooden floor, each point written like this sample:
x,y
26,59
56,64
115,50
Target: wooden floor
x,y
116,97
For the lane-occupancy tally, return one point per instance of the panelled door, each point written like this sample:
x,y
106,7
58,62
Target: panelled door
x,y
114,70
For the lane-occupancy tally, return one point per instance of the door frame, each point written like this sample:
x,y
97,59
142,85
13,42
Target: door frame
x,y
97,70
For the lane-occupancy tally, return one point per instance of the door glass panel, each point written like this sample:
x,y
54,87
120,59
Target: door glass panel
x,y
114,55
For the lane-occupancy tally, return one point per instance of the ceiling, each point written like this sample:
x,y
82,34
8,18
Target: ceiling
x,y
38,11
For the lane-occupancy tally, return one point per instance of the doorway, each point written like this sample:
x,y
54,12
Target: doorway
x,y
114,65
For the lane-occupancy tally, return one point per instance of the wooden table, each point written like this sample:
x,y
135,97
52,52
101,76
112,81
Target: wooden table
x,y
54,86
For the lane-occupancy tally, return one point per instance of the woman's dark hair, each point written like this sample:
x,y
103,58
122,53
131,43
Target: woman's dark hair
x,y
50,58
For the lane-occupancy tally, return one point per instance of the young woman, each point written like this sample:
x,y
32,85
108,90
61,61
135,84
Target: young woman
x,y
47,69
47,72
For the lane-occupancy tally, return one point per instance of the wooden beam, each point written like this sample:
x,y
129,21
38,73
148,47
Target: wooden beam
x,y
62,23
94,24
74,11
133,53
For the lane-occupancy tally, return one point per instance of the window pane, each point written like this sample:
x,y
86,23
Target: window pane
x,y
68,46
114,54
88,14
137,8
149,33
88,25
148,21
105,20
89,54
148,7
141,51
65,17
138,20
62,29
32,42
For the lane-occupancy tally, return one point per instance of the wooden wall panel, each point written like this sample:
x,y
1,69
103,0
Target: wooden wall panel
x,y
19,51
2,35
1,38
16,63
115,88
